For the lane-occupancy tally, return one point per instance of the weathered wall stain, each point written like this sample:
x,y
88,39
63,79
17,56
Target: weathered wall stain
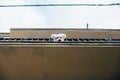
x,y
7,54
2,76
39,51
59,63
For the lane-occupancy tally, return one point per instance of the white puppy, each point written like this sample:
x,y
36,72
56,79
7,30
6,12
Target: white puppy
x,y
58,37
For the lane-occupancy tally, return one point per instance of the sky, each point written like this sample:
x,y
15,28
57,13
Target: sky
x,y
106,17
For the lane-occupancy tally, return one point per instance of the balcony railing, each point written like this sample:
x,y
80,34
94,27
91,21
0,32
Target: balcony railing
x,y
67,40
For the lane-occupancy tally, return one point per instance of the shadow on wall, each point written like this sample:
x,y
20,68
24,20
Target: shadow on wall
x,y
115,76
2,77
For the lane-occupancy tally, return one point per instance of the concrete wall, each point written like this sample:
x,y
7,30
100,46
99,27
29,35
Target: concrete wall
x,y
71,33
59,63
4,34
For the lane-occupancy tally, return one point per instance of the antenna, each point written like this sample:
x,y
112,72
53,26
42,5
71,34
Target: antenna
x,y
87,25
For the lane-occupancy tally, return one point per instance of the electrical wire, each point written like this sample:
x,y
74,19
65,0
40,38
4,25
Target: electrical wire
x,y
37,5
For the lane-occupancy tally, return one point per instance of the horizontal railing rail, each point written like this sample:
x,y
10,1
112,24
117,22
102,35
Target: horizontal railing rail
x,y
67,40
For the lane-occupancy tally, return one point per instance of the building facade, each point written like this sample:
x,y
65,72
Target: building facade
x,y
70,33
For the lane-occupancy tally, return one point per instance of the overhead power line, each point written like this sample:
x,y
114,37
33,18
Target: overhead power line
x,y
36,5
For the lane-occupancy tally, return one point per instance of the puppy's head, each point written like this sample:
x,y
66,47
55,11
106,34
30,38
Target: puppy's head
x,y
58,37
